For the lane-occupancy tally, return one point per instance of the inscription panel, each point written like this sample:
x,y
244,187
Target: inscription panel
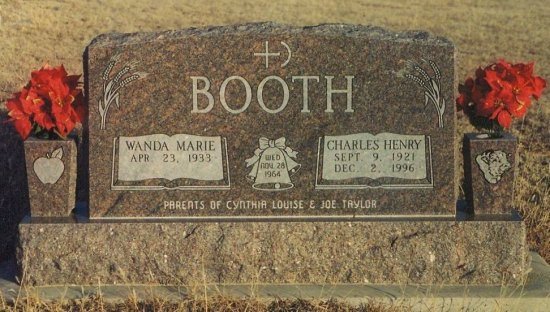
x,y
166,159
269,120
403,160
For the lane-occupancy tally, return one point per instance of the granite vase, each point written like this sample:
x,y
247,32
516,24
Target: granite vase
x,y
489,172
51,176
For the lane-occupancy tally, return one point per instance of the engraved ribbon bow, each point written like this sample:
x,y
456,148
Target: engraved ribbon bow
x,y
265,143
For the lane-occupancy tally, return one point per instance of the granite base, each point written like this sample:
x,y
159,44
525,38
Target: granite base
x,y
489,250
532,296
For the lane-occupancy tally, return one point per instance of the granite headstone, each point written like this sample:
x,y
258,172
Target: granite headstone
x,y
282,156
489,168
270,120
51,175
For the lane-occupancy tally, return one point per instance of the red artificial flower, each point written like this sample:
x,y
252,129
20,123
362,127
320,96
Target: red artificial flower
x,y
52,101
20,118
500,91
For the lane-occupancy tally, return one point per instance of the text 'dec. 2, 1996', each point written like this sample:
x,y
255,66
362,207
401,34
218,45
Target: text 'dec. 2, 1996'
x,y
365,160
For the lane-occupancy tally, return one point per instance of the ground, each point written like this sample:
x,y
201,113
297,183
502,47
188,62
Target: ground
x,y
35,32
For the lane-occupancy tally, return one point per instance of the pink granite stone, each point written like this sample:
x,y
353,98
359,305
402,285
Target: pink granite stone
x,y
51,176
268,150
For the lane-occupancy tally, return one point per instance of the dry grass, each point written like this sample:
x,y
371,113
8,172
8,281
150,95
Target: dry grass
x,y
221,304
34,32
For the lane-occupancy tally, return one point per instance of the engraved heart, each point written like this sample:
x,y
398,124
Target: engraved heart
x,y
50,168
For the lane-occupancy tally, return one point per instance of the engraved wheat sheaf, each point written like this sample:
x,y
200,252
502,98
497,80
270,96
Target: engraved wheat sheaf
x,y
113,82
430,84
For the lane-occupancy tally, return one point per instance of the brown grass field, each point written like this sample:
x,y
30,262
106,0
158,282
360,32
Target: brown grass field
x,y
33,32
216,304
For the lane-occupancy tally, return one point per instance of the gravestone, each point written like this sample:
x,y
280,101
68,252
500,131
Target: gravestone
x,y
265,120
493,184
264,153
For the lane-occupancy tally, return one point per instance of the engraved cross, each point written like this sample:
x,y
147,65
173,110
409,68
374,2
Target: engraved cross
x,y
266,54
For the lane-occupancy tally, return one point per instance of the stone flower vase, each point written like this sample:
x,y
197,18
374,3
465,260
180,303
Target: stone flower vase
x,y
489,172
51,175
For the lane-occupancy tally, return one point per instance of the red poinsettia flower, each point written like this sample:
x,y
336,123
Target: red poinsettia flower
x,y
36,106
500,92
20,118
52,102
